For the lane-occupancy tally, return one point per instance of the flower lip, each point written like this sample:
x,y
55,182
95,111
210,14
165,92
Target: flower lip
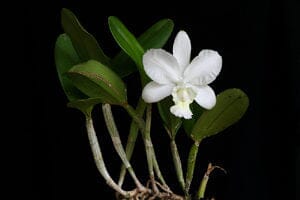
x,y
182,110
183,95
183,92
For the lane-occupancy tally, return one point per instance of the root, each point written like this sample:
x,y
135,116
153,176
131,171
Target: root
x,y
153,191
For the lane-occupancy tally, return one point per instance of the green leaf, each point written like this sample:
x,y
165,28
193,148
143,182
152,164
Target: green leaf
x,y
127,42
85,44
85,105
154,37
188,124
157,35
98,81
65,58
171,122
231,106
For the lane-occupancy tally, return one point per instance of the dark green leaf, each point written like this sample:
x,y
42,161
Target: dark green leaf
x,y
85,105
231,106
171,122
157,35
154,37
127,42
65,58
85,44
98,81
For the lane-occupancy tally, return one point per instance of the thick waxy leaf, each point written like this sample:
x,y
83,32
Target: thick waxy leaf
x,y
98,81
188,124
65,58
85,105
85,44
171,122
127,42
231,106
154,37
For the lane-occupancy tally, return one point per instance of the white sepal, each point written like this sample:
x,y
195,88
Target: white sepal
x,y
154,92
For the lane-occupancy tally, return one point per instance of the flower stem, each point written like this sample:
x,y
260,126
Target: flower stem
x,y
177,163
133,133
114,133
99,158
191,166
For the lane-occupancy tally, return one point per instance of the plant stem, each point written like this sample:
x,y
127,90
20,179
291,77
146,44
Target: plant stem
x,y
133,133
157,170
135,116
177,163
99,158
147,141
114,133
191,166
202,188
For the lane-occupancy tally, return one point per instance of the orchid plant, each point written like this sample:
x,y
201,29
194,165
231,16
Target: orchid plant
x,y
90,78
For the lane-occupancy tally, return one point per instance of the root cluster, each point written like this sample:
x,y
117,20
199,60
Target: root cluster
x,y
153,191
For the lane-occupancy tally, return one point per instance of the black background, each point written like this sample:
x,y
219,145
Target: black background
x,y
259,43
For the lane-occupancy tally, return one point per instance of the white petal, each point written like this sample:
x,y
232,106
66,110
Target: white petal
x,y
204,68
182,49
205,97
161,66
154,92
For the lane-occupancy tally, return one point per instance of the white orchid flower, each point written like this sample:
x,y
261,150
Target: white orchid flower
x,y
175,75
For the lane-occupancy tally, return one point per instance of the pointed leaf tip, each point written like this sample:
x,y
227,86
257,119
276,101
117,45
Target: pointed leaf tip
x,y
85,44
